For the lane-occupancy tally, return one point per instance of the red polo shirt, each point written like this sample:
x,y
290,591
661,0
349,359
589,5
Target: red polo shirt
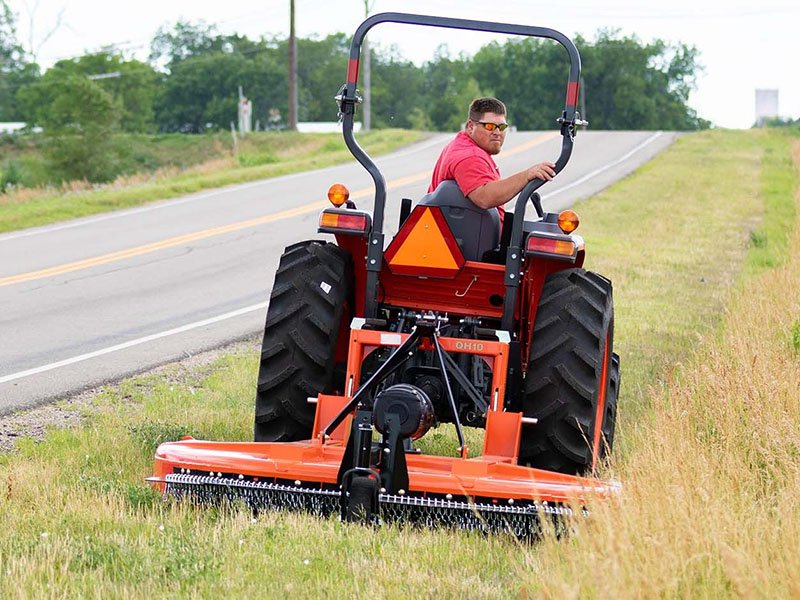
x,y
468,164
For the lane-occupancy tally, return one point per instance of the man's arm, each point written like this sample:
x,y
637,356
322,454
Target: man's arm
x,y
497,193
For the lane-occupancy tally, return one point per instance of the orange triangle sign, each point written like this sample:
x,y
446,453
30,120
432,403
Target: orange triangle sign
x,y
425,247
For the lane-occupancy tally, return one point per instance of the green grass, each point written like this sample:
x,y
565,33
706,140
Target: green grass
x,y
675,240
709,508
190,164
24,162
769,241
672,239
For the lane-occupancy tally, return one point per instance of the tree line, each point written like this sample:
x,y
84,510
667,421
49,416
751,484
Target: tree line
x,y
190,83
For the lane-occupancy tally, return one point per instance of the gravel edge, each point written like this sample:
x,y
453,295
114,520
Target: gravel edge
x,y
72,411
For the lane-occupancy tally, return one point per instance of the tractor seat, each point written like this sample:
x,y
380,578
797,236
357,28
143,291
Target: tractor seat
x,y
477,230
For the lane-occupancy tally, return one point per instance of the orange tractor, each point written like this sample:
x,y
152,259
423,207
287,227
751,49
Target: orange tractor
x,y
368,345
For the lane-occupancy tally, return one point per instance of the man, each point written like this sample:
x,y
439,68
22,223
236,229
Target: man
x,y
468,159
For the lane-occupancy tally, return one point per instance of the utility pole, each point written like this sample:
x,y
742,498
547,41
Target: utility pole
x,y
583,100
292,70
367,109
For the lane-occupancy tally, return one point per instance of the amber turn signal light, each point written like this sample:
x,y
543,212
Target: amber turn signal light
x,y
568,221
338,194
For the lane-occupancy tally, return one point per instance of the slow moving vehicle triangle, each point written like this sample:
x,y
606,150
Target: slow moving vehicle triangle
x,y
428,249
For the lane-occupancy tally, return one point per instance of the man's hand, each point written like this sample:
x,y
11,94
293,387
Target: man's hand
x,y
544,171
497,193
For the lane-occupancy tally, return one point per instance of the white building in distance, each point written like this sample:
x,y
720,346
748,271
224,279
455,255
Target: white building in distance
x,y
766,106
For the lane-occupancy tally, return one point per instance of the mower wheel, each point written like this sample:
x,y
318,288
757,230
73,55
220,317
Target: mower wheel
x,y
572,381
310,301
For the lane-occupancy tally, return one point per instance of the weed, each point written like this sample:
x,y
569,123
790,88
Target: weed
x,y
794,336
758,239
148,436
247,159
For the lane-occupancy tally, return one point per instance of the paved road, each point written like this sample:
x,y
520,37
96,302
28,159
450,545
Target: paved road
x,y
96,299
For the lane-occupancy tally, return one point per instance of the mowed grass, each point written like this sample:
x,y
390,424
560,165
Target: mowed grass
x,y
707,445
260,156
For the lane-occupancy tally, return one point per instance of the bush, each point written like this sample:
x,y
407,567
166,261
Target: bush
x,y
79,118
89,155
9,175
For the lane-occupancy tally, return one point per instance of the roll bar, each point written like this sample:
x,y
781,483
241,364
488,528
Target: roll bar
x,y
348,99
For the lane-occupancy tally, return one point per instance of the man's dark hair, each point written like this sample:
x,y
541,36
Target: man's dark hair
x,y
480,106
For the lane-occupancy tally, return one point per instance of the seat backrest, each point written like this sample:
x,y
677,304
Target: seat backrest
x,y
476,229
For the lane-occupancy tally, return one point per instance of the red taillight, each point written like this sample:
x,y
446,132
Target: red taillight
x,y
344,221
564,248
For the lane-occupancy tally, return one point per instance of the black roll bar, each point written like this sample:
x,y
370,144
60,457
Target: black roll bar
x,y
347,101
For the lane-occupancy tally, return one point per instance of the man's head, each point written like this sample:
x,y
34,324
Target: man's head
x,y
486,114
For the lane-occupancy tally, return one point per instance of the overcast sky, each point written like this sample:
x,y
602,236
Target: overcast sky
x,y
744,44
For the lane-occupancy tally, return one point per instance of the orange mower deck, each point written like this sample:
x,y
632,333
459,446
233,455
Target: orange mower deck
x,y
312,463
515,496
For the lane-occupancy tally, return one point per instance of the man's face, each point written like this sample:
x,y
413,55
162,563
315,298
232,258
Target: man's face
x,y
491,141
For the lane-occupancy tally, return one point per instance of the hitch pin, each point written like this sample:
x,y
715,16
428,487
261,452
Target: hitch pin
x,y
464,293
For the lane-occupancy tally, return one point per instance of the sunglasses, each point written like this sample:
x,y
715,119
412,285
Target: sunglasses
x,y
488,126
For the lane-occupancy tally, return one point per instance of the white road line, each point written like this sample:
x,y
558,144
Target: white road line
x,y
136,342
596,172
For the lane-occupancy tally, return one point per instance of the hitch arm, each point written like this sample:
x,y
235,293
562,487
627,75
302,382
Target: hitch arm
x,y
397,358
462,447
466,385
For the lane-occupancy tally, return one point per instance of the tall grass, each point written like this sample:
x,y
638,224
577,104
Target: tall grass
x,y
707,449
710,506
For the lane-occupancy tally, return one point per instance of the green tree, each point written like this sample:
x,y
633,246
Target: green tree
x,y
630,85
15,71
78,117
397,92
321,70
529,75
204,70
183,40
627,84
133,85
201,92
449,88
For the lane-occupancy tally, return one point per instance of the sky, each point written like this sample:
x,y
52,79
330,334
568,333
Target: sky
x,y
744,45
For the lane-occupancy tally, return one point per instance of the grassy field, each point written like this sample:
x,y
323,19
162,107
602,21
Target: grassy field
x,y
185,164
706,267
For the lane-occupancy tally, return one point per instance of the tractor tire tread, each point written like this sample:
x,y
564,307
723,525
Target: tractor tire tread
x,y
574,317
311,295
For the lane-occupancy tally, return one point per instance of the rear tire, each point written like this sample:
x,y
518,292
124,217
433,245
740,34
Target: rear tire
x,y
312,294
572,381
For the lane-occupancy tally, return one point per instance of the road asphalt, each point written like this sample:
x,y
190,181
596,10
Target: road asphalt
x,y
93,300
